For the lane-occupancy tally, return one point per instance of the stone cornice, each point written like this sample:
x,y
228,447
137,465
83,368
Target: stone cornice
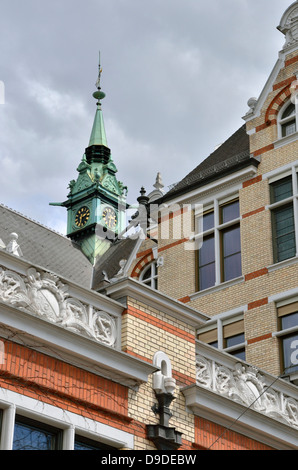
x,y
25,328
128,287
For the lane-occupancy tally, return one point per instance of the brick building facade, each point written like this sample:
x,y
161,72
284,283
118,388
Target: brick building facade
x,y
184,340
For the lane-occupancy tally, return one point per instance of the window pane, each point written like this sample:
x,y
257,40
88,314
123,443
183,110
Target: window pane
x,y
289,347
232,267
147,274
288,128
208,221
230,212
284,228
207,251
234,340
34,436
231,253
207,276
282,189
207,263
240,353
231,241
288,321
289,111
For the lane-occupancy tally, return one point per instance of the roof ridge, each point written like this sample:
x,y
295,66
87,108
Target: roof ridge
x,y
33,220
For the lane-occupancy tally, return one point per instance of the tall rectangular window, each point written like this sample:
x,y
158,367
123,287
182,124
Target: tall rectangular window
x,y
219,258
283,219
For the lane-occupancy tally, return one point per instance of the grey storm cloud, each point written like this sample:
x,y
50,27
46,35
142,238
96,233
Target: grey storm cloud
x,y
177,76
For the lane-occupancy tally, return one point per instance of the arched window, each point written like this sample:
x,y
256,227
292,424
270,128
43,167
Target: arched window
x,y
149,275
287,120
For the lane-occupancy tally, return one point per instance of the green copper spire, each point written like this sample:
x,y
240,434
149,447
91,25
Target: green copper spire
x,y
98,134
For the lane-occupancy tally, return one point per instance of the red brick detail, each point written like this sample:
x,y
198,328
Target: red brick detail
x,y
171,245
159,324
265,149
141,254
277,101
139,356
266,124
257,179
256,211
291,61
211,436
182,379
147,258
185,299
259,338
53,381
260,272
286,82
257,303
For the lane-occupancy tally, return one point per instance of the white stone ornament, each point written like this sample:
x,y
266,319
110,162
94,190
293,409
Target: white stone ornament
x,y
289,25
44,295
245,385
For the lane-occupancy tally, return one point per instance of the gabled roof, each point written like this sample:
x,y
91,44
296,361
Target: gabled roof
x,y
232,155
108,264
43,247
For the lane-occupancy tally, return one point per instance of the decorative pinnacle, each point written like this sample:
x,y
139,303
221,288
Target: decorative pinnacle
x,y
98,95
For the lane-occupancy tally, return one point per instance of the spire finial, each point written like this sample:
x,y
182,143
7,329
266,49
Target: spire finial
x,y
98,95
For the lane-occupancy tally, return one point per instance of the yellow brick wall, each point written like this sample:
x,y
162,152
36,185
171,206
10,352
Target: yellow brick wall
x,y
145,331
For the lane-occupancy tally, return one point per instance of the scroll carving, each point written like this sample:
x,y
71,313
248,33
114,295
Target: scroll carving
x,y
245,385
44,295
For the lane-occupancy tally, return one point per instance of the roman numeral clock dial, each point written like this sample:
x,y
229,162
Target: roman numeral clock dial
x,y
82,216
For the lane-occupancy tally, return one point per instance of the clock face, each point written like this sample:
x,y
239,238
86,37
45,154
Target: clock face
x,y
82,216
109,217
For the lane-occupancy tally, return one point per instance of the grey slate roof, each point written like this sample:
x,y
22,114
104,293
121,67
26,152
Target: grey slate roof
x,y
43,247
230,156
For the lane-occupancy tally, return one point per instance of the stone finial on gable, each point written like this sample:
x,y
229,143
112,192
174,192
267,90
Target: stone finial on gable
x,y
13,246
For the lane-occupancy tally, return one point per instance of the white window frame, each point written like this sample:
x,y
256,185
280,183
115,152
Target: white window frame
x,y
215,205
70,424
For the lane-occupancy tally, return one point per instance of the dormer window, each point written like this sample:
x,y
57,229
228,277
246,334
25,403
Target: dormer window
x,y
288,120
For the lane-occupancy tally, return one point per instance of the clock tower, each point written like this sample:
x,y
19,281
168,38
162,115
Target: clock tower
x,y
96,202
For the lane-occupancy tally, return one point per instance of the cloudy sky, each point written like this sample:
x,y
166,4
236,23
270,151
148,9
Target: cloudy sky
x,y
177,76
